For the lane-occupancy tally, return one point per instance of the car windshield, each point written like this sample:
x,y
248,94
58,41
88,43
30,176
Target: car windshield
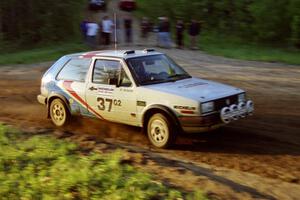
x,y
156,69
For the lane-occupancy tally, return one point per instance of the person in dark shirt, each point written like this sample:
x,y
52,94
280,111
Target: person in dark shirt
x,y
179,33
194,31
128,29
164,33
145,27
83,28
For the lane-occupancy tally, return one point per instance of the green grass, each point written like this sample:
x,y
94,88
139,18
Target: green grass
x,y
211,43
47,53
43,167
238,49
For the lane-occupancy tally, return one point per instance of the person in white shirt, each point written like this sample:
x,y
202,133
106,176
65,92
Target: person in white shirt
x,y
107,26
92,30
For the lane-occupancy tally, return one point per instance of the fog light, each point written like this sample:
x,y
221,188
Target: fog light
x,y
250,107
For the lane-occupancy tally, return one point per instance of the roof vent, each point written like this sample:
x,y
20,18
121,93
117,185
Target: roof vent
x,y
129,52
148,50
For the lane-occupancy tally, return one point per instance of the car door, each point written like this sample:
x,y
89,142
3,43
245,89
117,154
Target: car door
x,y
125,95
105,99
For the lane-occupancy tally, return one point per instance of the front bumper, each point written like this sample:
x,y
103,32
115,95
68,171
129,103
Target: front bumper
x,y
200,123
42,99
194,124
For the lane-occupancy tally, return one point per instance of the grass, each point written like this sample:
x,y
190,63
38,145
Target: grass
x,y
238,49
211,43
48,53
43,167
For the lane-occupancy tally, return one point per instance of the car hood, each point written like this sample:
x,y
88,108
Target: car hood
x,y
195,88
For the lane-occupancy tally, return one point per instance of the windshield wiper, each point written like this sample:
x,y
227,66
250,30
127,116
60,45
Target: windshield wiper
x,y
179,76
155,81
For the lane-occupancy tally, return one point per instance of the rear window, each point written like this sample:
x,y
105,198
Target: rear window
x,y
75,70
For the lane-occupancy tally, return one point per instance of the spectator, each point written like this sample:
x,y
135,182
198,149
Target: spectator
x,y
107,26
194,31
157,30
128,29
83,28
145,28
179,33
92,30
164,33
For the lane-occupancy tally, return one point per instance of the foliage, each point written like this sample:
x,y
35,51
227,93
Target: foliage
x,y
294,9
264,21
296,31
42,167
34,21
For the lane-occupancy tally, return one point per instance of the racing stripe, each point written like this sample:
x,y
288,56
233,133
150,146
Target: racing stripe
x,y
67,86
91,54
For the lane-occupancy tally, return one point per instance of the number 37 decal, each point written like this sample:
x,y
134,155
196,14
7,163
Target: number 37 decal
x,y
107,102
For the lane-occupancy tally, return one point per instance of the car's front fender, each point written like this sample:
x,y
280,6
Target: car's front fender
x,y
157,108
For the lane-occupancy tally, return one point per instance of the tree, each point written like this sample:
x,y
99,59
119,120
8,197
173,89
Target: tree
x,y
35,21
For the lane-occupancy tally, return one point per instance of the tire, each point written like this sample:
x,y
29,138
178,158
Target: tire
x,y
59,112
160,131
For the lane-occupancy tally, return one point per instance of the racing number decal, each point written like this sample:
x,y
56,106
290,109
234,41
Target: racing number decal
x,y
117,102
101,105
102,102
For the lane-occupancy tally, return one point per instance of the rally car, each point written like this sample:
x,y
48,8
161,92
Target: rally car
x,y
142,88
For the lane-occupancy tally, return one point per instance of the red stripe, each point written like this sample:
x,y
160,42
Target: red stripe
x,y
91,54
187,111
67,85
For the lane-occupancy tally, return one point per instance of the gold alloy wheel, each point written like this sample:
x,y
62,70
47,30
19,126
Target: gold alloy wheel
x,y
58,112
158,130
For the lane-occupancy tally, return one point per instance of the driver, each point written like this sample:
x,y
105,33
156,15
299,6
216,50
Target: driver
x,y
140,71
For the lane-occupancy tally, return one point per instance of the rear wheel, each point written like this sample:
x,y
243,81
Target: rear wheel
x,y
160,131
59,112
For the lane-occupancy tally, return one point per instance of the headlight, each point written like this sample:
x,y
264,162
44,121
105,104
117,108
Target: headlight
x,y
241,98
207,107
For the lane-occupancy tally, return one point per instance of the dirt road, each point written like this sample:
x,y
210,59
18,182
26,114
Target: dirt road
x,y
254,158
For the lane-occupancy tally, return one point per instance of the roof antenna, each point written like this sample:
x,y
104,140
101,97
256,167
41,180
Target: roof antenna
x,y
115,22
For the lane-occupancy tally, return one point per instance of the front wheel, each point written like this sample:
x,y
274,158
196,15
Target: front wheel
x,y
160,131
59,112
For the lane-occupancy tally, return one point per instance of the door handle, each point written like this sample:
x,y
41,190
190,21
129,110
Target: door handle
x,y
92,88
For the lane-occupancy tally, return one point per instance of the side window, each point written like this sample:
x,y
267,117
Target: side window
x,y
124,80
108,72
75,70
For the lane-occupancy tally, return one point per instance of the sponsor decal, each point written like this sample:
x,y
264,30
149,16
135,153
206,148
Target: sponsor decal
x,y
192,85
184,108
141,103
105,91
126,90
